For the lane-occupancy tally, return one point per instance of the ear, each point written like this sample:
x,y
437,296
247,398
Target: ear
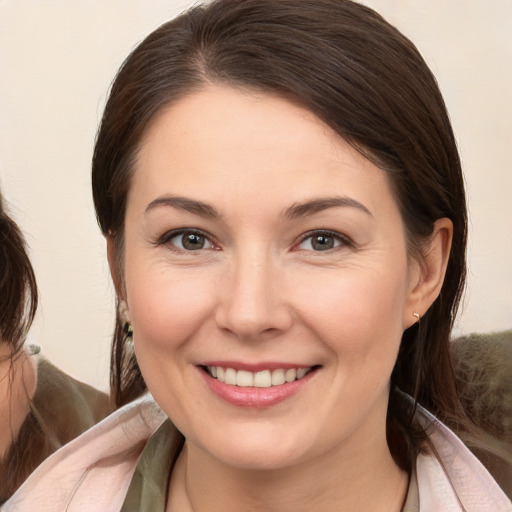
x,y
117,278
428,272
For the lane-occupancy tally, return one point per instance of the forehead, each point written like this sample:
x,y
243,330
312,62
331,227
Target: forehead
x,y
231,142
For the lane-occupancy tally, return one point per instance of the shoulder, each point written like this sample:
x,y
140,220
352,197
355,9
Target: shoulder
x,y
483,369
95,467
450,477
61,408
59,391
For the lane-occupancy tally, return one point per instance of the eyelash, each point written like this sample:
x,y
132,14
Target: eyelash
x,y
167,237
342,240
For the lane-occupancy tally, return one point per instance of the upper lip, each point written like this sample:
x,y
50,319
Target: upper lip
x,y
256,367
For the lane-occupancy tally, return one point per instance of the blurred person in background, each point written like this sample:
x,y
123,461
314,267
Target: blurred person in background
x,y
41,408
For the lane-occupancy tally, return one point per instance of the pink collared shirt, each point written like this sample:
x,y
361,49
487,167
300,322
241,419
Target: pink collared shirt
x,y
95,470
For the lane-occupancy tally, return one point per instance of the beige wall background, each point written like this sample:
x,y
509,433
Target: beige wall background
x,y
57,59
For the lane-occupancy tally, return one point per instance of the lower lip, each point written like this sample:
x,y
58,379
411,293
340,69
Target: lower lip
x,y
258,398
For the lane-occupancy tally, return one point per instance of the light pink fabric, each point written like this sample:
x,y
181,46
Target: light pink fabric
x,y
93,472
451,478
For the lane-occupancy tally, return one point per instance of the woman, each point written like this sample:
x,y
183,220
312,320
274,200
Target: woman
x,y
41,407
283,204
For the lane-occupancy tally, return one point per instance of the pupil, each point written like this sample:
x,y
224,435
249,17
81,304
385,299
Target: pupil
x,y
323,243
193,241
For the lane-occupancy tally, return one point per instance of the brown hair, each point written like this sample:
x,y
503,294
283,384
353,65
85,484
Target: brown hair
x,y
362,77
18,288
18,304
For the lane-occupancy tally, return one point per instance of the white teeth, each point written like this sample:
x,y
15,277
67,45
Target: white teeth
x,y
244,379
263,379
290,375
278,377
301,372
230,376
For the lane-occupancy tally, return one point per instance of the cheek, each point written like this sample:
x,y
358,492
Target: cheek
x,y
166,305
167,310
356,312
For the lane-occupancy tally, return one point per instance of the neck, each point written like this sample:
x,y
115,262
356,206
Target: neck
x,y
17,386
362,478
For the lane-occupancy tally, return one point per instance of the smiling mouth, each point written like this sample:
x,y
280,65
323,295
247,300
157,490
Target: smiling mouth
x,y
261,379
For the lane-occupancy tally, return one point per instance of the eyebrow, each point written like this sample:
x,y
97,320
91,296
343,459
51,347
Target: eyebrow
x,y
184,203
295,211
324,203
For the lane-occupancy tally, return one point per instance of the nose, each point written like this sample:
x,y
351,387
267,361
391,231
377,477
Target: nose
x,y
253,304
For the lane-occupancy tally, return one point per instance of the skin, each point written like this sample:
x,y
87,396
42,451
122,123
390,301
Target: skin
x,y
259,292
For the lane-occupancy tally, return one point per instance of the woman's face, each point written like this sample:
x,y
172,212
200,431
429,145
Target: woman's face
x,y
262,250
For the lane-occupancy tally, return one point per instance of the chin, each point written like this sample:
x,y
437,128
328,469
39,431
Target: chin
x,y
260,459
255,451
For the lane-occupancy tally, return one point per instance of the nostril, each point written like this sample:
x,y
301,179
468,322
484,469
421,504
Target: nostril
x,y
253,321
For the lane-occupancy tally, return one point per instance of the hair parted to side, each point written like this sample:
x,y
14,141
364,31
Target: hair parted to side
x,y
363,78
18,288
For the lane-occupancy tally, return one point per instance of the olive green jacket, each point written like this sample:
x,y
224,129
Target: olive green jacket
x,y
61,409
124,464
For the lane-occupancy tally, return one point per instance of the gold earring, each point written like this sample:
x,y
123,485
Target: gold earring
x,y
417,315
128,330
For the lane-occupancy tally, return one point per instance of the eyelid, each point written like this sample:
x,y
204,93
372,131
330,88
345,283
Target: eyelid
x,y
168,235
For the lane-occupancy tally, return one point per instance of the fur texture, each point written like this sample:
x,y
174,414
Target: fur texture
x,y
483,372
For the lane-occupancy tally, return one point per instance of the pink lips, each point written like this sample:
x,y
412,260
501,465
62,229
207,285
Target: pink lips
x,y
252,396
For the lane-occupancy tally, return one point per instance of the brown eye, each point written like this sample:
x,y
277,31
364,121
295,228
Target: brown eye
x,y
190,241
322,241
